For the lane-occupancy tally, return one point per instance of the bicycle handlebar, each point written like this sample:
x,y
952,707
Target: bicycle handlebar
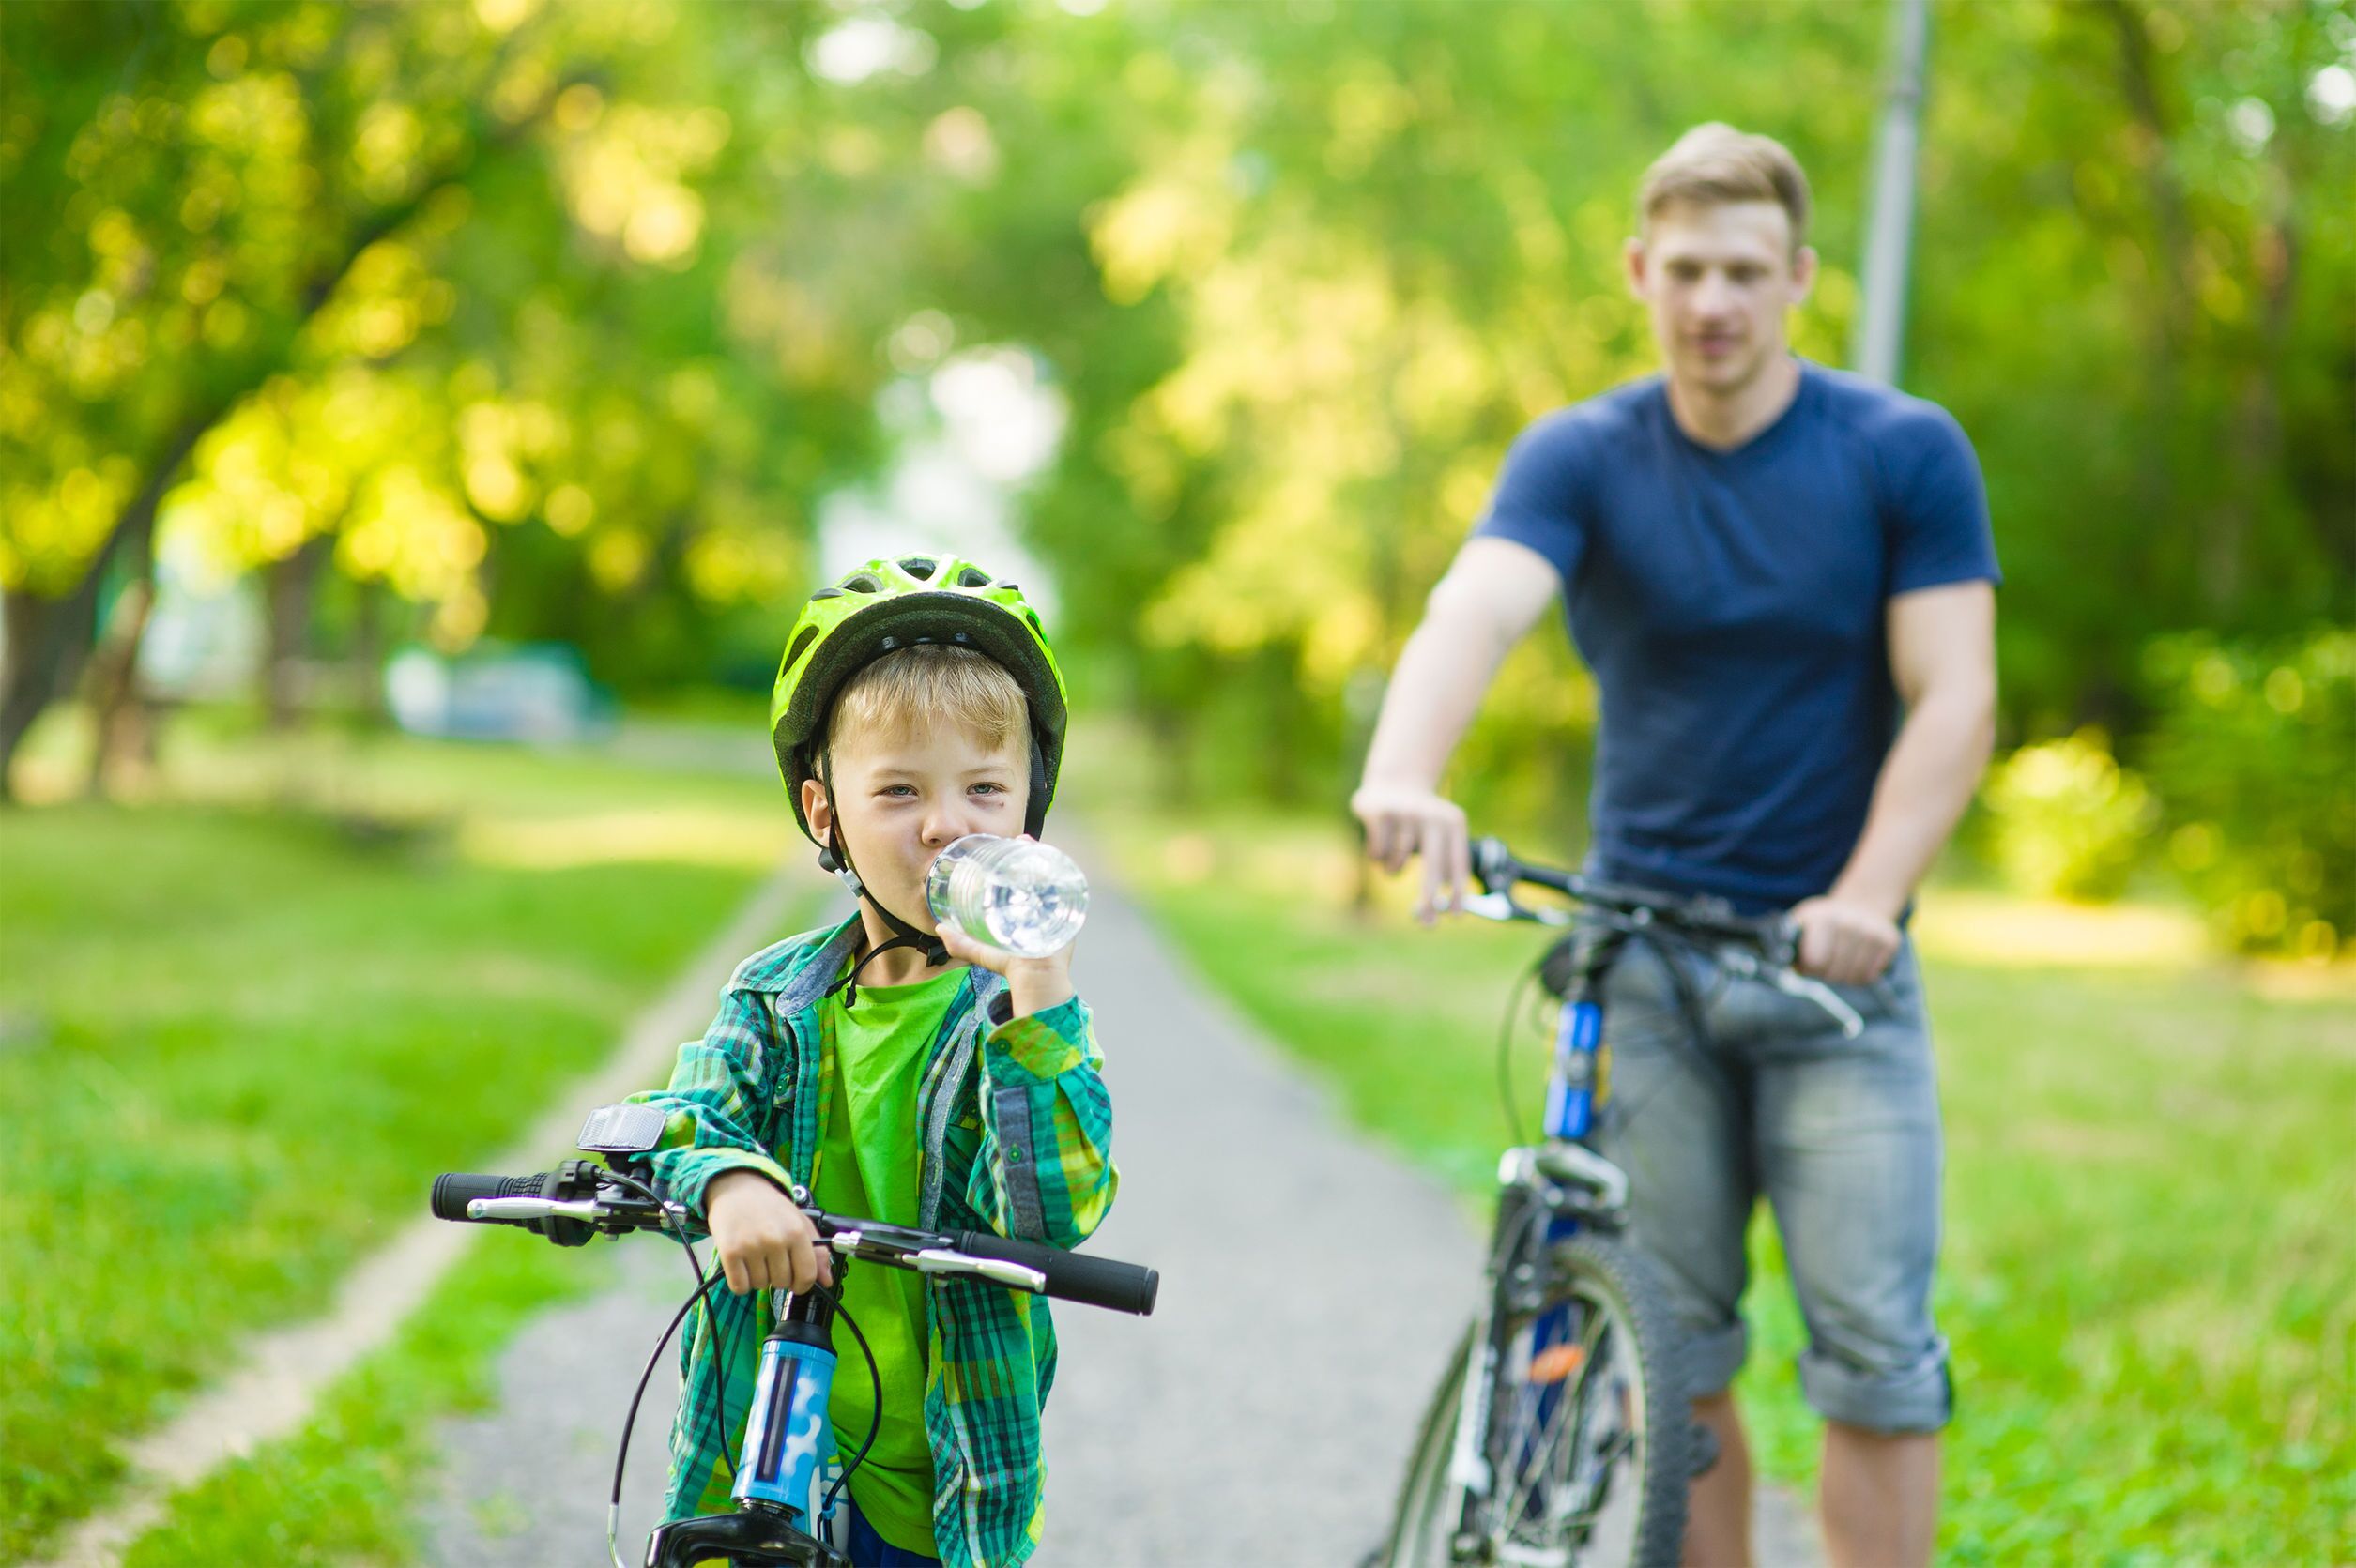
x,y
1497,870
1070,1276
1030,1266
1759,947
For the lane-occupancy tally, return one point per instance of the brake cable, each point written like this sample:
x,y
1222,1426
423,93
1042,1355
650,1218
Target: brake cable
x,y
719,1374
621,1454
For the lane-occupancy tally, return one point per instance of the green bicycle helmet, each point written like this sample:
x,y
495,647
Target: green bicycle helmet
x,y
890,604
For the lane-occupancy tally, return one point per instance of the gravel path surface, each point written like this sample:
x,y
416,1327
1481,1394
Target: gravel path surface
x,y
1310,1284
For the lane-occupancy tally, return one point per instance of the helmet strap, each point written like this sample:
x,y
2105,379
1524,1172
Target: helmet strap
x,y
835,856
1035,813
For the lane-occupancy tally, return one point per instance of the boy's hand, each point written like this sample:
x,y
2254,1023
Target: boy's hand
x,y
1035,984
764,1239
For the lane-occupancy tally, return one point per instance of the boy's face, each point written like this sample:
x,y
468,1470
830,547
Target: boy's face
x,y
902,802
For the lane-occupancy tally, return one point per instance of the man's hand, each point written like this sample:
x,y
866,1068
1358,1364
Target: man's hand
x,y
1844,941
1404,821
764,1239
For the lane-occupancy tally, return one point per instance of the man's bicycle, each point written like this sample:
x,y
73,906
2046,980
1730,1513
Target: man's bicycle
x,y
789,1479
1561,1433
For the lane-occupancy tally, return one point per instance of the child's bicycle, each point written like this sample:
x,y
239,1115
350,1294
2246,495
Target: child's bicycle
x,y
789,1479
1562,1433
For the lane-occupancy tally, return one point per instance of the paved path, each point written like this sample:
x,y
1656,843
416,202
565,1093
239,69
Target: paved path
x,y
1309,1283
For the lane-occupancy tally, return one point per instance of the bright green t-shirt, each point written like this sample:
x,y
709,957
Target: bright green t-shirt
x,y
867,1166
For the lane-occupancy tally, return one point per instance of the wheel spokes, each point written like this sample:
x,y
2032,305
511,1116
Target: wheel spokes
x,y
1548,1466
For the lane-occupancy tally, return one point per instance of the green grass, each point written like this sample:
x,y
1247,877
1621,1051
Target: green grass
x,y
345,1489
2150,1275
241,1026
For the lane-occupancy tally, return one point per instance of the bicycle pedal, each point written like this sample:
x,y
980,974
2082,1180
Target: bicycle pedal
x,y
1704,1450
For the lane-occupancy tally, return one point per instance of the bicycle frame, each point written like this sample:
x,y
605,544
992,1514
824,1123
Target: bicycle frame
x,y
1564,1176
1572,1361
788,1435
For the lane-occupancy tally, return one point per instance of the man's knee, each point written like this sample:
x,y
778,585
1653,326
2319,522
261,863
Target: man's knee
x,y
1883,1395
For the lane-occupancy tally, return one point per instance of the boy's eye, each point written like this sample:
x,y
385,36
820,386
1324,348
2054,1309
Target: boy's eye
x,y
899,789
990,788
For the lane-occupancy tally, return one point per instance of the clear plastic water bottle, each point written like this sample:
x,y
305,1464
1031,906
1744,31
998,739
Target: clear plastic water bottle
x,y
1018,893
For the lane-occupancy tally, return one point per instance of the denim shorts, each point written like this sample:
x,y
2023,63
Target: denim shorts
x,y
1841,1138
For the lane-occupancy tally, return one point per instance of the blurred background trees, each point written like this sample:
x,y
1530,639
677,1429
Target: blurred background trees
x,y
576,324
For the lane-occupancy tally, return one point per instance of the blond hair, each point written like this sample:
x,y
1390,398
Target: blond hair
x,y
910,690
1714,162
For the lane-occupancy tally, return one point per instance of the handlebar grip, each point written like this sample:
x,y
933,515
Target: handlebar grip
x,y
1099,1282
453,1190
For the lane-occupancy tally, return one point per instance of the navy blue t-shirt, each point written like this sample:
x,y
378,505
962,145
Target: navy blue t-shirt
x,y
1731,608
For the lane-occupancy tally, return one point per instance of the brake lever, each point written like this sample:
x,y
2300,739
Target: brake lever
x,y
1793,983
1500,906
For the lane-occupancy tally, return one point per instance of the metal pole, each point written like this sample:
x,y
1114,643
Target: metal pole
x,y
1881,323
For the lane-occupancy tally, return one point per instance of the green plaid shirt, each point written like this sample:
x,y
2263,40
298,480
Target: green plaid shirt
x,y
1018,1132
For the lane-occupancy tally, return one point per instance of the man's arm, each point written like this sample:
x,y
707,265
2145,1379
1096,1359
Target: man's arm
x,y
1494,593
1942,658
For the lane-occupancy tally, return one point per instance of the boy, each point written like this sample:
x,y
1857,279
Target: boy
x,y
899,1071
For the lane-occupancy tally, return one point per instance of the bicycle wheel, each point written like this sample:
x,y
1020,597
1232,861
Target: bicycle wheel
x,y
1589,1440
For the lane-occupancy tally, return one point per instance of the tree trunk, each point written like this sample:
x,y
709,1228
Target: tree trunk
x,y
119,717
368,651
2157,485
292,588
57,634
44,636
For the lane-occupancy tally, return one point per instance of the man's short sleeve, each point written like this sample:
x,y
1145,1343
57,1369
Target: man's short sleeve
x,y
1938,508
1536,501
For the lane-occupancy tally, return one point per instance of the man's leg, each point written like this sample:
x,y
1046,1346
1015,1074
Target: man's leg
x,y
1718,1506
1675,1124
1880,1496
1849,1154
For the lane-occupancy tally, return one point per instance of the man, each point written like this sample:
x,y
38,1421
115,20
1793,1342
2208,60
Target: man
x,y
1783,580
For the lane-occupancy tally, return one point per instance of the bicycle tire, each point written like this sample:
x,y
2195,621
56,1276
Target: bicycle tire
x,y
1423,1517
1615,1281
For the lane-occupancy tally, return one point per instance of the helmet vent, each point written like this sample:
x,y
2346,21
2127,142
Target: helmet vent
x,y
973,577
800,645
862,583
920,567
826,593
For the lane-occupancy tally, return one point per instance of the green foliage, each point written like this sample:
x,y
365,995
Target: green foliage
x,y
2255,753
2069,822
566,321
